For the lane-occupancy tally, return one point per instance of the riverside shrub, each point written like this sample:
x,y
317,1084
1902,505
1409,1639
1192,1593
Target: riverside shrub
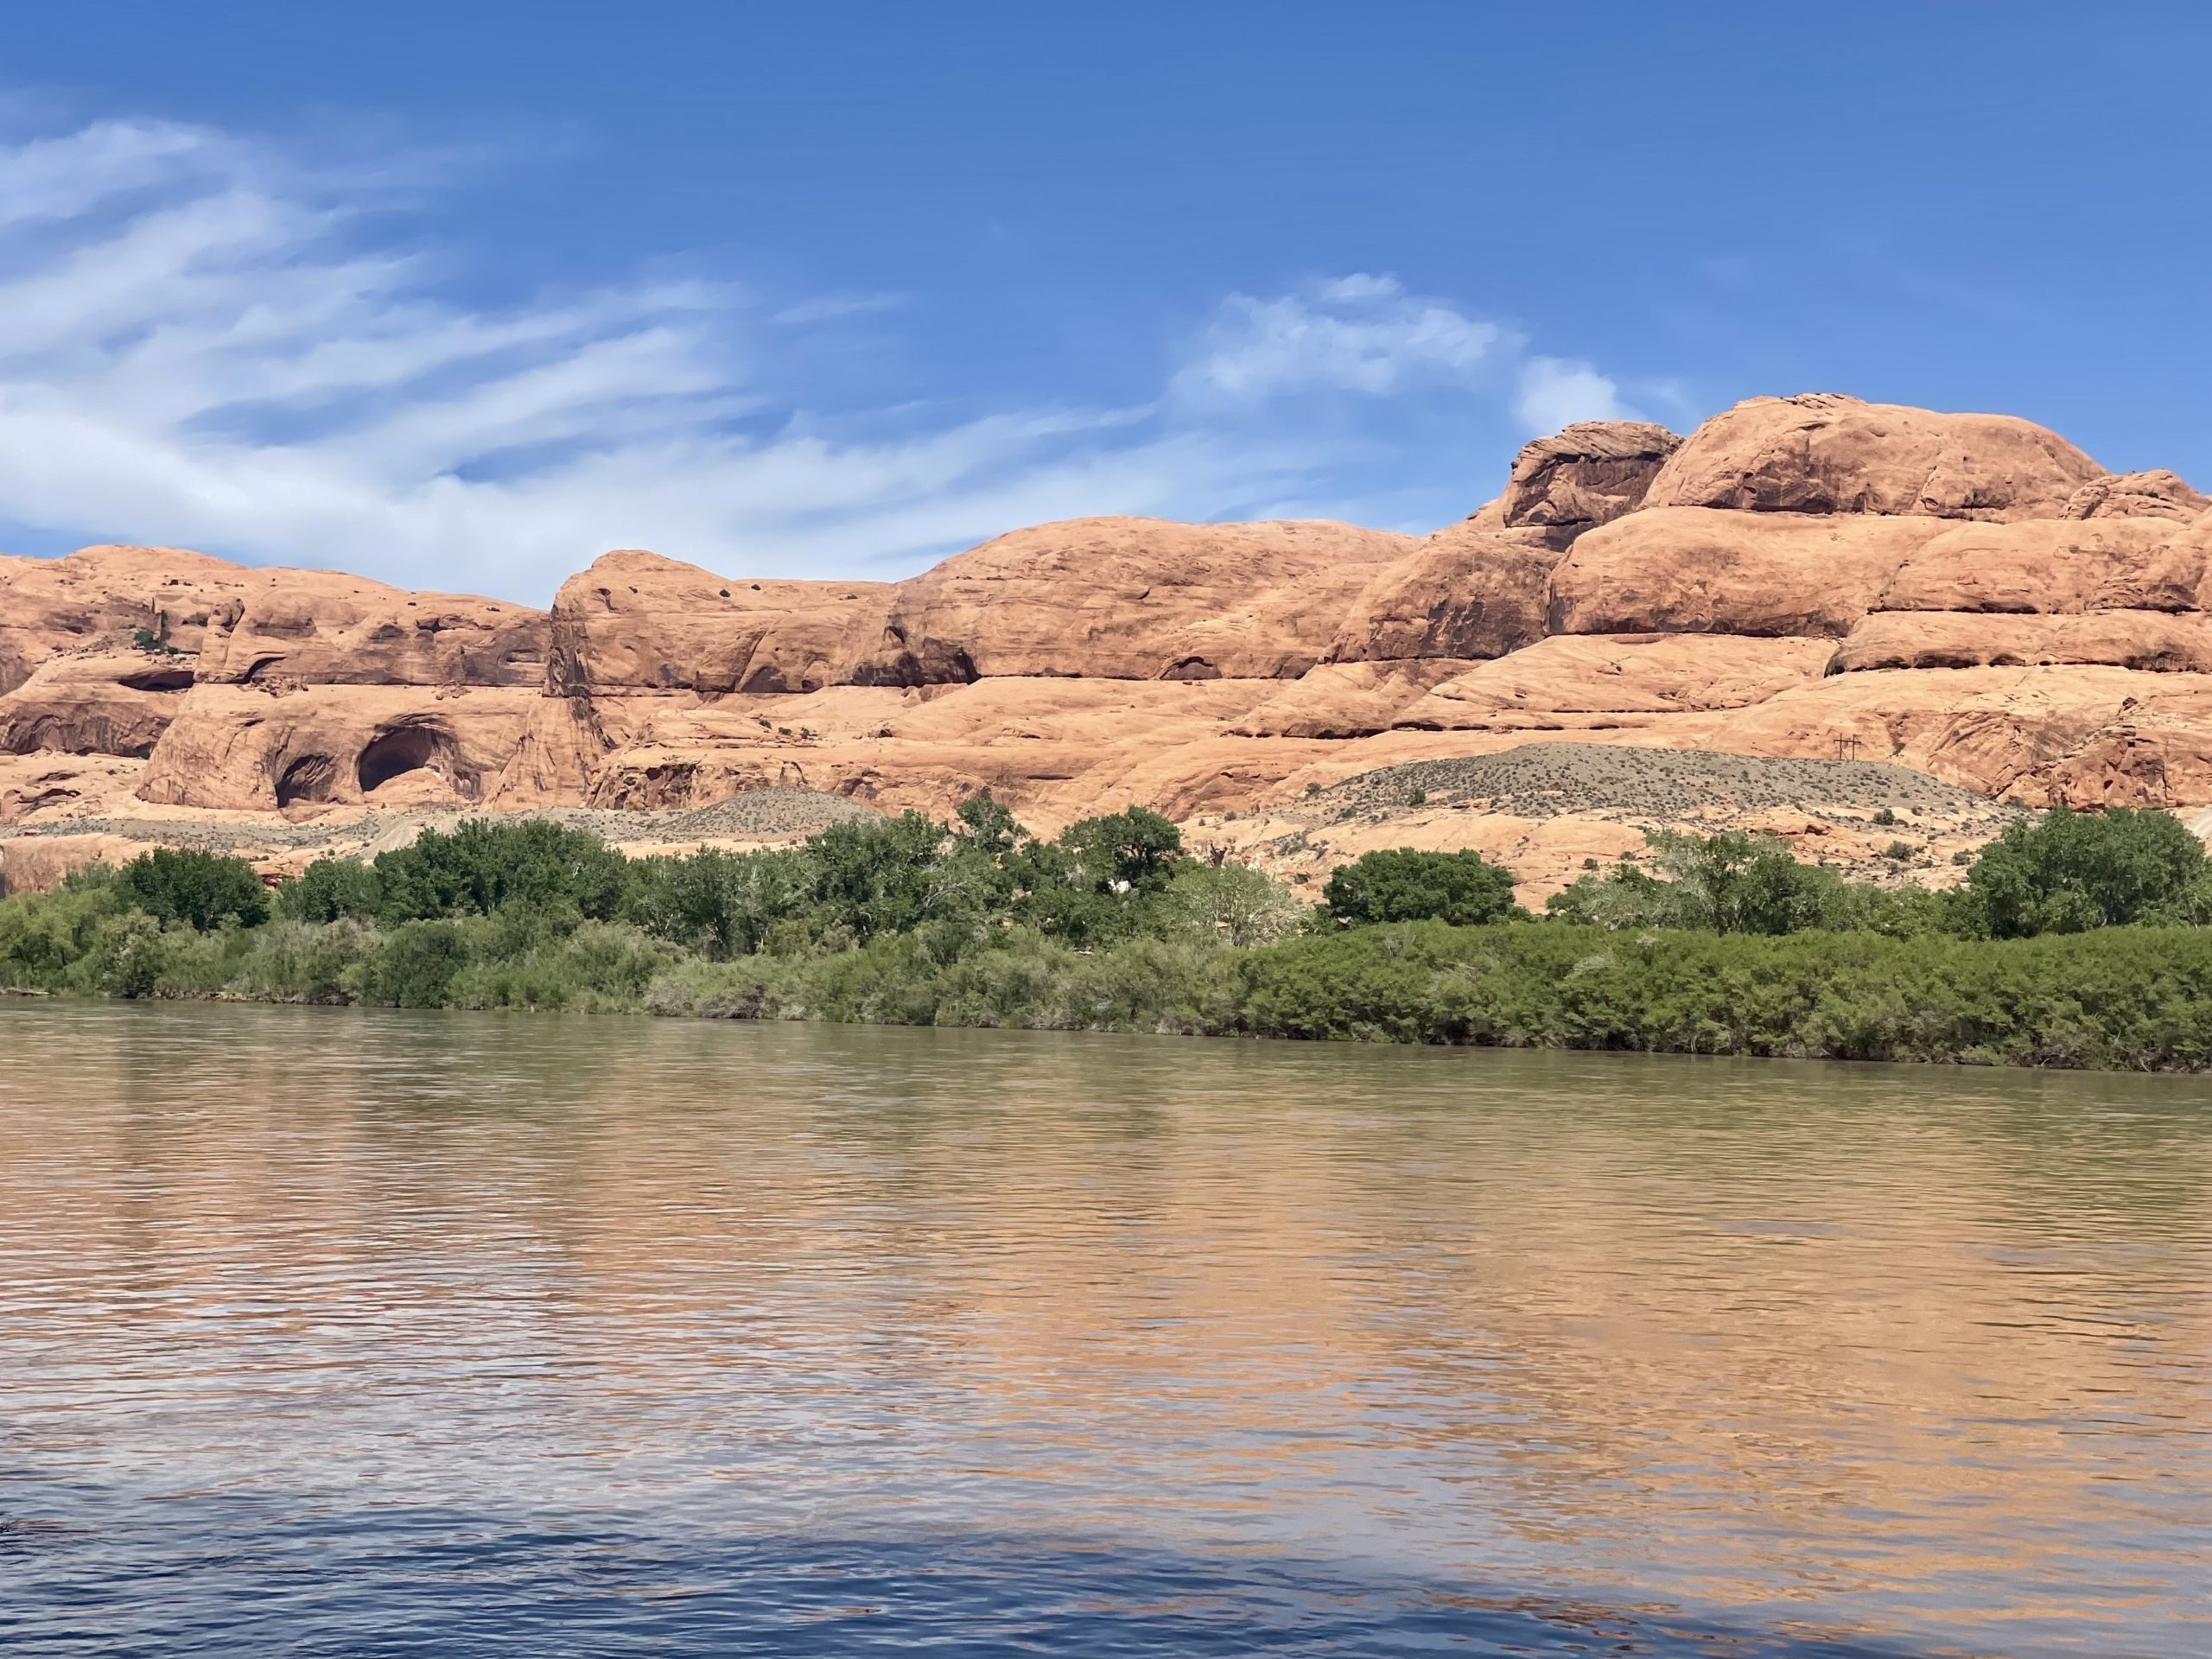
x,y
2069,871
484,865
202,890
1402,885
330,888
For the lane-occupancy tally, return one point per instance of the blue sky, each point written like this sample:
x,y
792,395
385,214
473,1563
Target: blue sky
x,y
462,294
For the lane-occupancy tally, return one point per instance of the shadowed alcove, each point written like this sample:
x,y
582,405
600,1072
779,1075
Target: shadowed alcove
x,y
407,748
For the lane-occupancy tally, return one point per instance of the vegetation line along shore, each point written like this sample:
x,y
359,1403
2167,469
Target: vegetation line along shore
x,y
2075,940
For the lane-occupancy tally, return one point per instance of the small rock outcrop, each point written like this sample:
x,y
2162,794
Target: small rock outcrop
x,y
2159,494
1587,475
1701,570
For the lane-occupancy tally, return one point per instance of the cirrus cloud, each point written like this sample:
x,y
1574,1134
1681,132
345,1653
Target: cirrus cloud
x,y
204,342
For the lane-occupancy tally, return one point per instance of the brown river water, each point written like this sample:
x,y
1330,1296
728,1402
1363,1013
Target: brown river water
x,y
326,1332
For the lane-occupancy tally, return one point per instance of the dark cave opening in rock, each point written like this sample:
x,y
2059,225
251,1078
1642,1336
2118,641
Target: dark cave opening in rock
x,y
308,779
410,748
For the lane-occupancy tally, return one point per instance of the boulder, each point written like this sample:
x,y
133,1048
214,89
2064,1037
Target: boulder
x,y
1823,453
1465,592
1132,599
1587,475
1700,570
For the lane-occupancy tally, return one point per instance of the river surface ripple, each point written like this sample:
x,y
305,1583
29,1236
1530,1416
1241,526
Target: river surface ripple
x,y
330,1333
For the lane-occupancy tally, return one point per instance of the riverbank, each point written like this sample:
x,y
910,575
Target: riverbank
x,y
2125,999
1720,945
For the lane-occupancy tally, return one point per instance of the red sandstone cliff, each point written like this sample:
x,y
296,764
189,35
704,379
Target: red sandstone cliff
x,y
1967,595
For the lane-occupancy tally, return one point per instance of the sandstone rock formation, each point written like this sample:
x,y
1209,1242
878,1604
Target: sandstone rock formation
x,y
1821,453
1464,592
1129,598
636,622
2159,494
244,747
108,595
1587,475
1799,578
2071,566
1579,680
310,627
112,702
1700,570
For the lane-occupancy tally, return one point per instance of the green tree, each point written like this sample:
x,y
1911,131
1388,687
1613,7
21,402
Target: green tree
x,y
893,875
722,904
1135,846
1735,883
1099,880
414,966
330,888
1401,884
1234,904
202,890
2072,871
1623,897
988,824
485,864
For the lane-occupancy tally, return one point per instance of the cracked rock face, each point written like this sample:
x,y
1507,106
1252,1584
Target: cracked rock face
x,y
1587,475
1968,594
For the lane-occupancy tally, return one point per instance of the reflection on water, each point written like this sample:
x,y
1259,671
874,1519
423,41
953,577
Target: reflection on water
x,y
325,1331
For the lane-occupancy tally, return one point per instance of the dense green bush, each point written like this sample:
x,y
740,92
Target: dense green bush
x,y
1720,945
1735,883
331,888
720,904
2069,871
414,965
1401,884
484,864
44,935
202,890
2124,998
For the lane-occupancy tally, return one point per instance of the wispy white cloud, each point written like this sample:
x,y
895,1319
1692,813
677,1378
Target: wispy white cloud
x,y
1552,392
835,307
203,343
1362,333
